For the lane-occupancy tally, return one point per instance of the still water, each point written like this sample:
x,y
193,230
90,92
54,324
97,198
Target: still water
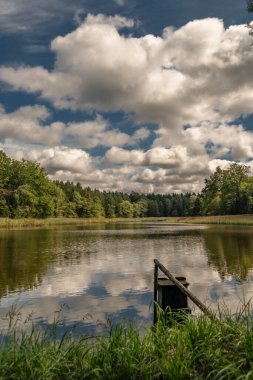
x,y
90,273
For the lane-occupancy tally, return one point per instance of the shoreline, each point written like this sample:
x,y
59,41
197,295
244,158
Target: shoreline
x,y
7,223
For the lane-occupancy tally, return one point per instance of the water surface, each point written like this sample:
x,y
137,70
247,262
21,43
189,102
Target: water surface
x,y
94,272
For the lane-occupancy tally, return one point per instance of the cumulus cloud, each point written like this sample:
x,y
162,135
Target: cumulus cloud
x,y
158,78
162,170
90,134
193,83
71,164
174,159
131,173
28,124
223,139
59,159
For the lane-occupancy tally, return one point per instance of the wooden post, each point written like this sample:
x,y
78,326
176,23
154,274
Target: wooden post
x,y
155,293
184,290
169,295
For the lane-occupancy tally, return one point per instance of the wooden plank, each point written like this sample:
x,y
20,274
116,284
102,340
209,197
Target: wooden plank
x,y
155,293
184,290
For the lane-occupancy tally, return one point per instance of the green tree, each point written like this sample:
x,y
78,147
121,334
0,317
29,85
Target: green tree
x,y
225,191
250,5
126,209
109,205
60,202
27,201
211,191
167,206
233,199
5,163
194,205
153,208
246,199
4,209
45,207
140,208
25,189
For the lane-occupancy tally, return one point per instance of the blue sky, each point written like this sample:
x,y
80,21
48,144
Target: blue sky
x,y
127,95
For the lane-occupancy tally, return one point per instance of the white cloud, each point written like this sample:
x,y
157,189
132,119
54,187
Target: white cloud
x,y
225,139
133,172
90,134
175,158
122,156
28,124
158,78
193,101
58,159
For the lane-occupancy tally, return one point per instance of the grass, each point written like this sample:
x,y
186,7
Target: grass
x,y
201,348
7,223
214,219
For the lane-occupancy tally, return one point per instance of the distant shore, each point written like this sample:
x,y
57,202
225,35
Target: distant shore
x,y
8,223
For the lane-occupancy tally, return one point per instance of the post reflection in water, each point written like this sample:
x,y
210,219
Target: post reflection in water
x,y
107,270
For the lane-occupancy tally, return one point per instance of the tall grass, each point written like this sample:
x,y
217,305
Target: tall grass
x,y
214,219
7,223
200,348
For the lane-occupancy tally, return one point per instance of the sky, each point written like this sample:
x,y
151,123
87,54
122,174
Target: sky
x,y
127,95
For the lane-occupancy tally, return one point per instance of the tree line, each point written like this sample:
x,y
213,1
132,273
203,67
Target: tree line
x,y
27,191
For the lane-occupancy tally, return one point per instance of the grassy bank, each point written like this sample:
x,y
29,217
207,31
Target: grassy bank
x,y
214,219
199,349
33,222
8,223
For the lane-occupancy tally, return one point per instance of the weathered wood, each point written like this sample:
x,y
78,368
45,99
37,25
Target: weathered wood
x,y
184,290
155,293
169,295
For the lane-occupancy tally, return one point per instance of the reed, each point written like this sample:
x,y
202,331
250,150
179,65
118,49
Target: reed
x,y
7,223
213,219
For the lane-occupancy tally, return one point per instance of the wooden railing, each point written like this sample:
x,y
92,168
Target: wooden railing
x,y
180,286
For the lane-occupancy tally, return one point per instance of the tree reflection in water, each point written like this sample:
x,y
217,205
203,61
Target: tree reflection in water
x,y
230,251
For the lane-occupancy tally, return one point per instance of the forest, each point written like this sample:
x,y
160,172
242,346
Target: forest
x,y
26,191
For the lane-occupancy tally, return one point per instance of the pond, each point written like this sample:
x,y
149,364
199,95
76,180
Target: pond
x,y
99,271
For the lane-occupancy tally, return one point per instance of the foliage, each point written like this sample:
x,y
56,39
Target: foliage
x,y
228,191
126,209
25,189
250,5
